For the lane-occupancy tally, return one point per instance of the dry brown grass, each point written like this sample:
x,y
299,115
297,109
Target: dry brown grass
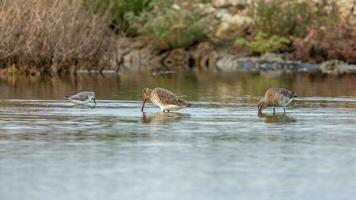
x,y
53,34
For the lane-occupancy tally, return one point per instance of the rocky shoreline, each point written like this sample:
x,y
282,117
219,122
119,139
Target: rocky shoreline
x,y
231,34
137,57
133,56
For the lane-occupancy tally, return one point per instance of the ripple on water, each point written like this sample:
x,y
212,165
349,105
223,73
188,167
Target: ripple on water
x,y
210,151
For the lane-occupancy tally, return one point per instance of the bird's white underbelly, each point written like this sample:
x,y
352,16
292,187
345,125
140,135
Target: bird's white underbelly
x,y
80,102
163,107
284,101
88,102
170,107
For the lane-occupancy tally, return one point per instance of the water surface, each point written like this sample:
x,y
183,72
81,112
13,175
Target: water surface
x,y
218,149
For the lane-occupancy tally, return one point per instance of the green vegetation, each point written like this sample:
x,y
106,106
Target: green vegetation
x,y
168,24
171,26
292,18
315,30
338,42
119,10
77,34
262,44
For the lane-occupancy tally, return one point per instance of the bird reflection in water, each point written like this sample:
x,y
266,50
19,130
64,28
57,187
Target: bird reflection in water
x,y
276,119
163,117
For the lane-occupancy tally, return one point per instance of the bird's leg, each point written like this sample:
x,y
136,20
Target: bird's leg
x,y
274,111
284,110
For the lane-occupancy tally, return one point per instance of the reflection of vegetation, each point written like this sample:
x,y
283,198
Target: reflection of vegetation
x,y
210,87
259,84
262,44
163,118
277,119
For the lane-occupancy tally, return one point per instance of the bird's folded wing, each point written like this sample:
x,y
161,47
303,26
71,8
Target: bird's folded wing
x,y
80,97
168,98
285,92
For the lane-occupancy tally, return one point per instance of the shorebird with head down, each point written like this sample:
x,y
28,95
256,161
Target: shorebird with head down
x,y
83,98
276,97
163,98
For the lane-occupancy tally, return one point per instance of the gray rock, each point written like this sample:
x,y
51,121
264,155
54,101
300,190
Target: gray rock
x,y
267,63
337,67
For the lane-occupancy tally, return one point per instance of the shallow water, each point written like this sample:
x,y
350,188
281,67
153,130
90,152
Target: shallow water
x,y
218,149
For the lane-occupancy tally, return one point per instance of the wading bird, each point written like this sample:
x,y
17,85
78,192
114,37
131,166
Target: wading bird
x,y
276,97
83,98
163,98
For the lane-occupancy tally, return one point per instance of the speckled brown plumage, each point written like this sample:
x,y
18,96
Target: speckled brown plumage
x,y
163,98
276,97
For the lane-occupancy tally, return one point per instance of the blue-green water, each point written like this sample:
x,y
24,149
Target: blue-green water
x,y
218,149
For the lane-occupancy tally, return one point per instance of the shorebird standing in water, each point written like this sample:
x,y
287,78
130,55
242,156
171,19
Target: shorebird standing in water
x,y
276,97
163,98
83,98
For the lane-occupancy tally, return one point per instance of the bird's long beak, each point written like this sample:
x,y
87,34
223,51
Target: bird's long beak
x,y
143,105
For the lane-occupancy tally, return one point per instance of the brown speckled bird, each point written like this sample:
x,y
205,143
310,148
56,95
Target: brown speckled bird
x,y
276,97
163,98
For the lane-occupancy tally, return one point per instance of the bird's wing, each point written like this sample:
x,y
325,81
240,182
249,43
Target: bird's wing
x,y
285,92
82,96
168,98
